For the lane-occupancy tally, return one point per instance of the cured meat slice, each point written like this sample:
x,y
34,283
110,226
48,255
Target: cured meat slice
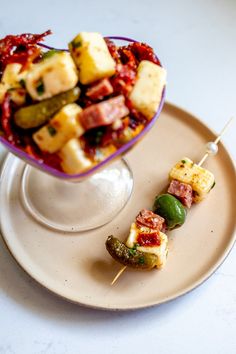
x,y
103,113
101,89
182,191
149,219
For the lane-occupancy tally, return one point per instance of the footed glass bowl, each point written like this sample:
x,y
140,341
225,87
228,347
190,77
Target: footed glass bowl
x,y
53,200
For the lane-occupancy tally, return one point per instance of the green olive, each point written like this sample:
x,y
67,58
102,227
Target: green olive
x,y
171,209
37,114
130,257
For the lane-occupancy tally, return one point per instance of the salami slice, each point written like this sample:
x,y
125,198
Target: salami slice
x,y
182,191
103,113
149,219
101,89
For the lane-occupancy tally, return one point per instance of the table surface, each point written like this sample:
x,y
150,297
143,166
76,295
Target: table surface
x,y
196,42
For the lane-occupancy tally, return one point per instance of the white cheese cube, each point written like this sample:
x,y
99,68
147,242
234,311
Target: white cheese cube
x,y
62,127
147,91
73,158
202,182
12,75
182,171
160,251
92,57
51,76
11,82
200,179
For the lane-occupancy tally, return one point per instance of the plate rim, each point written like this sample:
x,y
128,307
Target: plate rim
x,y
201,280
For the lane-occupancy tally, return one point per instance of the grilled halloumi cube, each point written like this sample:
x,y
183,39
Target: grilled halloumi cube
x,y
160,251
51,76
13,81
200,179
92,57
12,75
147,91
73,158
62,127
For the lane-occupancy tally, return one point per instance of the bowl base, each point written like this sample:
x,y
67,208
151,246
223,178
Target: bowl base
x,y
73,207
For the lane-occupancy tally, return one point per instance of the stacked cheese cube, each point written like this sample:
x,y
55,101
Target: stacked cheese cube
x,y
11,82
160,251
200,179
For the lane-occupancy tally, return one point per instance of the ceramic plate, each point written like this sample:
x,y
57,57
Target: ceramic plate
x,y
78,267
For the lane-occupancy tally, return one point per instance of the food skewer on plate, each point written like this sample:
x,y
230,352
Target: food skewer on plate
x,y
147,244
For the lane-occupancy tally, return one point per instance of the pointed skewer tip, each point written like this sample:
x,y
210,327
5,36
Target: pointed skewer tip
x,y
118,275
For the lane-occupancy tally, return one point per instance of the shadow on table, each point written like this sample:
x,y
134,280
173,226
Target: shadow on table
x,y
17,285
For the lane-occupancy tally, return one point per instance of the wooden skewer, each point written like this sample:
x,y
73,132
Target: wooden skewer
x,y
217,140
118,274
199,164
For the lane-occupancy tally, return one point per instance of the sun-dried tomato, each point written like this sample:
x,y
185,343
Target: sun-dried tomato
x,y
142,51
6,113
113,50
20,48
52,160
128,58
25,58
124,79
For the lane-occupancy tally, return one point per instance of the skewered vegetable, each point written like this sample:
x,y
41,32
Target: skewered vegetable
x,y
130,256
170,209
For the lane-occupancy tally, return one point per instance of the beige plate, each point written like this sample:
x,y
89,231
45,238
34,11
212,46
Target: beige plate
x,y
77,266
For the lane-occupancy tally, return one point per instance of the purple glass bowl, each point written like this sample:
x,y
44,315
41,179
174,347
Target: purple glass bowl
x,y
81,176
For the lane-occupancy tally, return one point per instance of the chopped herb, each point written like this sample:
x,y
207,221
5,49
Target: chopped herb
x,y
132,252
52,131
22,83
40,87
213,185
76,44
141,260
50,53
183,161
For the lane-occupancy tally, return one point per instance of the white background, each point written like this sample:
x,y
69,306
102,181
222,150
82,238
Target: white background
x,y
196,42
